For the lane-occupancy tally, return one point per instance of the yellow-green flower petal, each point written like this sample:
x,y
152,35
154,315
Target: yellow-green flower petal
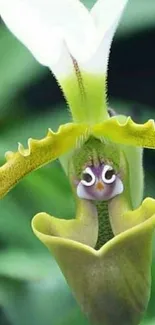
x,y
134,157
86,95
128,132
39,153
112,285
123,218
83,229
42,151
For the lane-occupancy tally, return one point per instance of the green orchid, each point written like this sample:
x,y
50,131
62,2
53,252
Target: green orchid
x,y
105,251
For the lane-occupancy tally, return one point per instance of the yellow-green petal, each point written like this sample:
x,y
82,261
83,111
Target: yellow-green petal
x,y
86,96
112,285
134,157
128,132
84,228
38,153
123,218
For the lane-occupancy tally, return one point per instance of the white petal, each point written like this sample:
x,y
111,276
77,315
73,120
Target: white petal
x,y
82,193
118,189
44,25
106,15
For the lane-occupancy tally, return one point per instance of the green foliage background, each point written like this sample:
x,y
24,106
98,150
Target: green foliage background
x,y
32,288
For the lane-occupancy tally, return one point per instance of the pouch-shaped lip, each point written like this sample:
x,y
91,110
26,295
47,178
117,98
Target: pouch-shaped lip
x,y
118,274
46,238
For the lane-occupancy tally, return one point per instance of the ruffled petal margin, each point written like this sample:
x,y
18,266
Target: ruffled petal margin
x,y
128,132
39,153
69,136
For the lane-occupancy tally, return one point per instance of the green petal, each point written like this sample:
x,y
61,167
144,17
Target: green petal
x,y
112,285
123,218
86,96
128,132
83,229
39,153
134,157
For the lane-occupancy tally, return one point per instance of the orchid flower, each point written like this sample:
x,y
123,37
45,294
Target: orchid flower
x,y
105,252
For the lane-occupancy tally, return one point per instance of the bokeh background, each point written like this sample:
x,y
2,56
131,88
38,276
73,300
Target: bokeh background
x,y
32,288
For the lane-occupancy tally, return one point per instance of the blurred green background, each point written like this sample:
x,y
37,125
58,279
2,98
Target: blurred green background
x,y
32,288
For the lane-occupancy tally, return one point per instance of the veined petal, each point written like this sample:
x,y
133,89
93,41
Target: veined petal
x,y
60,34
85,88
39,153
73,43
86,96
43,25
